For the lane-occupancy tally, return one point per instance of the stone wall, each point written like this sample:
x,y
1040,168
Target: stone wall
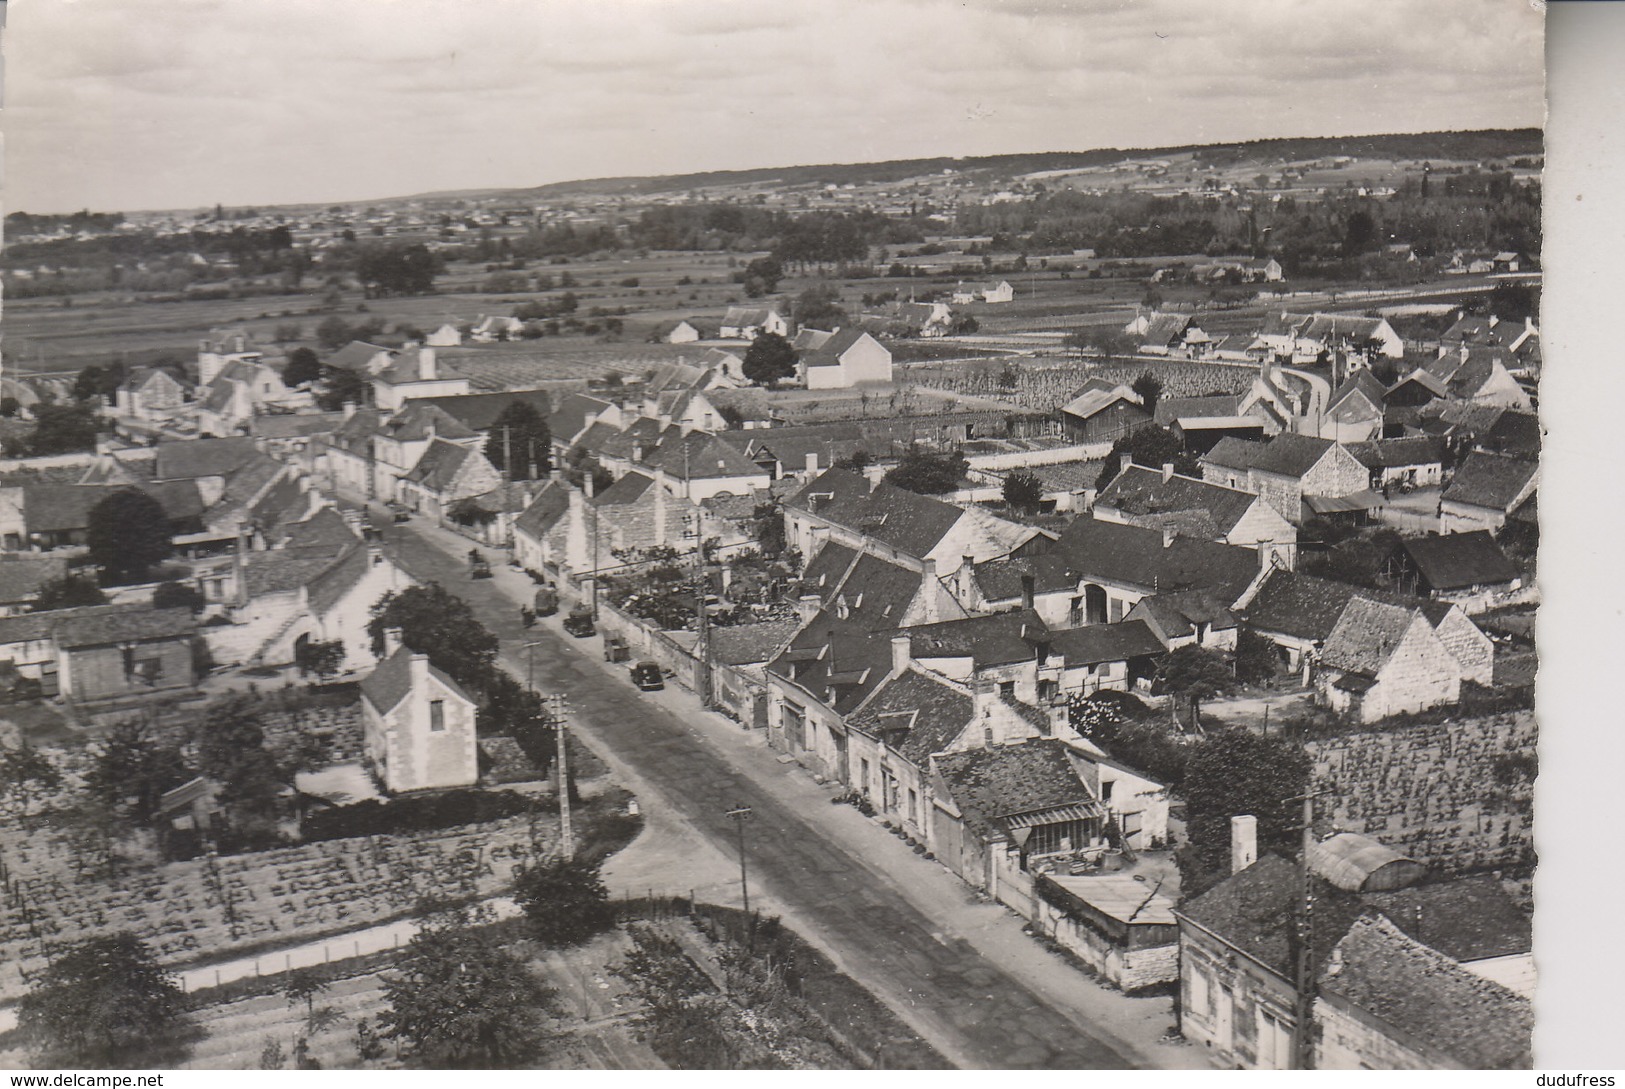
x,y
1450,794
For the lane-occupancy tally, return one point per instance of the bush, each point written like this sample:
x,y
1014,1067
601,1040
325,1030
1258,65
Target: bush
x,y
415,813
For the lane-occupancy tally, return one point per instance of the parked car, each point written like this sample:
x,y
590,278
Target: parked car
x,y
647,676
579,622
616,650
547,601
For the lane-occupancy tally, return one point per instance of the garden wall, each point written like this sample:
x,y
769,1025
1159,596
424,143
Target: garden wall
x,y
1455,794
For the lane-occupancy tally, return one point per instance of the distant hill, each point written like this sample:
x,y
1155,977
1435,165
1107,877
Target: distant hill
x,y
1472,146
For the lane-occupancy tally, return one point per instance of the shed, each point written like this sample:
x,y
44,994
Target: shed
x,y
1357,863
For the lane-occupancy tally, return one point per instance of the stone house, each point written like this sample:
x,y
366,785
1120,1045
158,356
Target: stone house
x,y
1416,461
737,656
1115,923
22,576
1486,489
567,530
1289,472
747,322
1383,659
1139,496
444,474
418,723
1355,411
1115,657
102,652
415,372
842,359
149,394
223,347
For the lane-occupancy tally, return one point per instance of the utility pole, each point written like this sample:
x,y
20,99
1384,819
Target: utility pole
x,y
739,814
507,454
1303,1047
561,725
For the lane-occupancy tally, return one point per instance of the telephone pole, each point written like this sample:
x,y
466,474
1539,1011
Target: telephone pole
x,y
561,724
1303,1045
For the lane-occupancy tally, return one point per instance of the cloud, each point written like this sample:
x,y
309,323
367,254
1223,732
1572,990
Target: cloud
x,y
155,103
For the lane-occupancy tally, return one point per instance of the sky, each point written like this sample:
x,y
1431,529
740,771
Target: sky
x,y
154,104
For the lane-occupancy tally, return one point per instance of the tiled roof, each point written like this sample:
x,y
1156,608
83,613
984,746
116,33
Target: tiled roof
x,y
828,354
1256,911
478,411
745,644
329,586
992,640
1361,382
569,416
284,570
297,426
1170,409
93,627
1515,433
874,592
544,511
1288,454
355,355
700,455
408,365
1142,491
1425,995
789,446
913,524
839,661
390,682
993,783
917,713
1460,560
324,529
628,489
1091,401
1095,643
22,576
420,420
1366,636
1133,556
61,508
1494,481
1466,918
1233,453
1297,605
1341,326
193,458
1396,453
439,465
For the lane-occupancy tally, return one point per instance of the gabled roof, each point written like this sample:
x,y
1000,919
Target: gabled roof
x,y
913,524
1493,481
193,458
1361,383
21,576
324,529
1459,561
1134,556
829,353
628,489
439,465
1514,432
1298,605
355,355
298,426
1341,326
570,414
839,661
1466,918
1178,613
1234,453
478,411
284,570
1397,453
417,421
329,586
1096,643
992,640
700,455
1097,397
1366,636
1143,492
390,682
1256,911
917,713
748,644
1426,996
993,785
1289,454
1172,409
544,511
101,625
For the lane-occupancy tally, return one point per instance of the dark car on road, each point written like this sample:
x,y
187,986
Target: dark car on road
x,y
579,622
647,676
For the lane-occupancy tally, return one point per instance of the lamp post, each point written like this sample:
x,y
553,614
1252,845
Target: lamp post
x,y
739,814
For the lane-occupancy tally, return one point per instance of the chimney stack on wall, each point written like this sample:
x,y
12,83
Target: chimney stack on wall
x,y
1243,842
392,641
902,652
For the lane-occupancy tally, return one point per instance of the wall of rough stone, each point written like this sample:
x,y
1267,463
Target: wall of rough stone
x,y
1433,792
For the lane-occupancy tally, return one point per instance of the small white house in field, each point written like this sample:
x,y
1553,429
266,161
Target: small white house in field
x,y
843,359
1000,292
447,336
418,723
683,333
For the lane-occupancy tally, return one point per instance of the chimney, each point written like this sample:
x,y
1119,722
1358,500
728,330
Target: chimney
x,y
349,409
901,653
1243,842
812,462
352,518
984,694
807,606
1028,590
1167,471
1168,536
392,641
426,364
1124,461
420,672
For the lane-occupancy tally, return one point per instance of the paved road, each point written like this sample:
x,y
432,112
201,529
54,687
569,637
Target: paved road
x,y
972,1008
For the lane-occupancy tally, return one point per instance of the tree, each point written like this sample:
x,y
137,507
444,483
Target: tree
x,y
438,623
132,769
106,1004
819,307
368,1047
768,524
231,750
9,407
519,430
769,359
1023,491
333,332
68,592
394,269
1149,389
126,535
324,659
342,387
1236,773
63,429
24,770
1359,234
174,594
304,986
303,366
1194,673
459,1001
762,276
565,901
928,472
1152,447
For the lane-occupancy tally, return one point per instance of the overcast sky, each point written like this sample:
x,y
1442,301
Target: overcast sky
x,y
134,104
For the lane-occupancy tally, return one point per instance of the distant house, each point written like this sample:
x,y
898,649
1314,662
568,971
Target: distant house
x,y
361,358
1203,422
444,474
1000,292
447,336
1468,569
748,322
415,372
684,332
1355,412
222,347
1486,489
1115,657
418,722
1413,462
1139,496
846,358
1103,412
1167,334
148,394
496,327
22,576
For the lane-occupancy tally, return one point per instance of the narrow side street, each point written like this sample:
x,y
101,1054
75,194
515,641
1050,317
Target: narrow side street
x,y
958,969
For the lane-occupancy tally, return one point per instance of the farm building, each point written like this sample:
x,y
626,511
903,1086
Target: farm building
x,y
840,360
1103,412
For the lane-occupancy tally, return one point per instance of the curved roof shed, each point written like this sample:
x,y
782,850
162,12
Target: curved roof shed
x,y
1359,863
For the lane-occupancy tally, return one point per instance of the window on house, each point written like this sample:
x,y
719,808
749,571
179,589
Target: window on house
x,y
1198,999
1047,839
1116,610
437,715
1046,690
913,802
863,776
1007,689
1106,790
